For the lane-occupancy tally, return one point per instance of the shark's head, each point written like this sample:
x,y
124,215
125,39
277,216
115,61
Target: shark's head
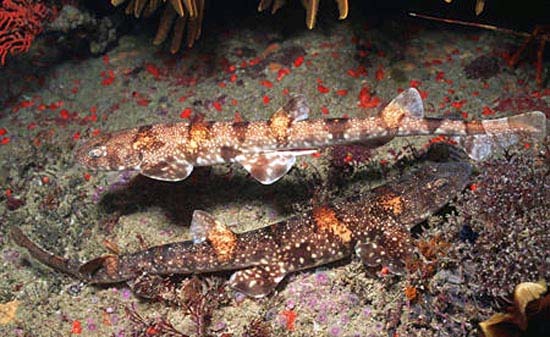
x,y
110,152
430,188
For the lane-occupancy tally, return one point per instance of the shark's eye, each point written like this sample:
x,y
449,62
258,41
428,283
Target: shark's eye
x,y
96,153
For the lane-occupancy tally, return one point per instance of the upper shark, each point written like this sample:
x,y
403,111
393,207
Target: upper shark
x,y
268,149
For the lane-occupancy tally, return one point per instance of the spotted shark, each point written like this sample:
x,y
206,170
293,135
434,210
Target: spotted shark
x,y
374,225
268,149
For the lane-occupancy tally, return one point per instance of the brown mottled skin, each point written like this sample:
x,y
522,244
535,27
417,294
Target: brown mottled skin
x,y
268,149
375,226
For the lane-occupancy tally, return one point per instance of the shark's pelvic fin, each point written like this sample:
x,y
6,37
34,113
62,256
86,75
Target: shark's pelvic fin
x,y
257,281
389,249
269,167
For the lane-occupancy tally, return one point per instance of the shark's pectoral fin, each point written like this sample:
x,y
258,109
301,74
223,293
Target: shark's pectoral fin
x,y
390,250
374,255
257,281
269,167
172,170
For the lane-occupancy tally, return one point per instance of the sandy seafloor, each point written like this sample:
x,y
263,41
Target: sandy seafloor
x,y
49,103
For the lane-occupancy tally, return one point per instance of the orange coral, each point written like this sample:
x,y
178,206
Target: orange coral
x,y
290,316
411,293
433,248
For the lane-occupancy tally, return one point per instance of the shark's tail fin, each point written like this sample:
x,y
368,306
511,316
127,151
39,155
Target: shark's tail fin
x,y
502,133
58,263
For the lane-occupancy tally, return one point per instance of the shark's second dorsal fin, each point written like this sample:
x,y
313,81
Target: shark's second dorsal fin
x,y
407,105
297,108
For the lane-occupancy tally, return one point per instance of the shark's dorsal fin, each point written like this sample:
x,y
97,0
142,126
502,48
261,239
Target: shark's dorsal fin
x,y
257,281
295,110
206,229
407,105
201,224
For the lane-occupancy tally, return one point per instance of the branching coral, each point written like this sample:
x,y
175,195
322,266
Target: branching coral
x,y
20,22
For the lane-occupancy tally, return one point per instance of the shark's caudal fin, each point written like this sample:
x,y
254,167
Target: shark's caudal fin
x,y
502,133
58,263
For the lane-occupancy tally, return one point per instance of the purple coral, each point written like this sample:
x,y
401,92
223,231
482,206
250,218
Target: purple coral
x,y
335,331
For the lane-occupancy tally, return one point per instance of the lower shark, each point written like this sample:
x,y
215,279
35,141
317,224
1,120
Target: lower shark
x,y
375,226
268,149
